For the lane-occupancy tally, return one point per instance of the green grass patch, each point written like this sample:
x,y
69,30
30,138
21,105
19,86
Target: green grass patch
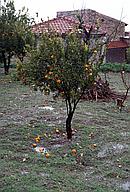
x,y
114,67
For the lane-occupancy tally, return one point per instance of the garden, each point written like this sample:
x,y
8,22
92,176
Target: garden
x,y
65,116
97,159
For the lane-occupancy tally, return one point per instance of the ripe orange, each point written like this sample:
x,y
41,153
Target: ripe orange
x,y
41,149
73,152
58,81
50,73
34,145
47,155
86,65
37,139
93,146
46,76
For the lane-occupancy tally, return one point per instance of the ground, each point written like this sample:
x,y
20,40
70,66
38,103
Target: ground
x,y
101,138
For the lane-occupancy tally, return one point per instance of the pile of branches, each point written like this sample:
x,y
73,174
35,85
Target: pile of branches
x,y
100,91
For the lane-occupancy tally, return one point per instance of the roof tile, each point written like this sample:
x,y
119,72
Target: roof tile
x,y
61,25
117,44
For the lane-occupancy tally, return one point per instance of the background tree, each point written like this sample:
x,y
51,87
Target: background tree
x,y
69,66
15,33
128,55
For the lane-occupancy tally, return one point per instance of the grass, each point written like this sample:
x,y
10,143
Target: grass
x,y
23,117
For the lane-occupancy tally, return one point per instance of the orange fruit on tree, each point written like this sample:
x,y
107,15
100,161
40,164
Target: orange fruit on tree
x,y
58,81
90,74
50,73
57,131
86,65
46,76
37,139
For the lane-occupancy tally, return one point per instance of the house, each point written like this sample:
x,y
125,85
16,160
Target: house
x,y
127,38
67,21
90,17
116,52
61,25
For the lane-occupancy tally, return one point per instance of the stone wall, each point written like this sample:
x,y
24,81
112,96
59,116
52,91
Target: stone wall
x,y
117,55
108,24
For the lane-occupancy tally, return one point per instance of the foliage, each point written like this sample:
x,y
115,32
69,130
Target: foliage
x,y
15,33
128,55
114,67
67,65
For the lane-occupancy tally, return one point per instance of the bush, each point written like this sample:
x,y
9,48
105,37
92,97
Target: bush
x,y
12,65
1,65
128,55
21,72
114,67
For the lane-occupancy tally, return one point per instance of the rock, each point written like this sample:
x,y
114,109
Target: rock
x,y
112,149
126,186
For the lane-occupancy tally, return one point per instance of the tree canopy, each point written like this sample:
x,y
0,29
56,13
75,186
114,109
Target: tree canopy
x,y
66,65
15,33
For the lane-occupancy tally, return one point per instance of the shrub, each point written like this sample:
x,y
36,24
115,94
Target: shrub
x,y
114,67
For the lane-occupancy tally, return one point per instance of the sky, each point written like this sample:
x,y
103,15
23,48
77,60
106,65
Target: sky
x,y
118,9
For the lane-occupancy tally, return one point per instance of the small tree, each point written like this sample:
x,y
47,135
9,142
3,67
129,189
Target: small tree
x,y
15,33
67,65
126,83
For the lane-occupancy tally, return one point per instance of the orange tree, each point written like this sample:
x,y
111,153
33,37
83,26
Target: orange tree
x,y
15,33
67,65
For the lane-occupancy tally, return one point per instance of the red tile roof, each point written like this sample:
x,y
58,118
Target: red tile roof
x,y
117,44
59,24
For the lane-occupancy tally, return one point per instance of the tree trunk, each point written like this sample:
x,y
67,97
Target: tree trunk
x,y
68,125
6,68
6,63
